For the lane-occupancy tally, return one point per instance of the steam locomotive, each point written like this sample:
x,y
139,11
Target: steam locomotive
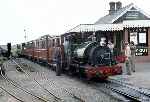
x,y
72,53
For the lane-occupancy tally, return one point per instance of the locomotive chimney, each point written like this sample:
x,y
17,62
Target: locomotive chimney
x,y
118,5
112,7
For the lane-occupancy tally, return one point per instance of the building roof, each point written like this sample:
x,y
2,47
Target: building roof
x,y
99,27
112,17
110,27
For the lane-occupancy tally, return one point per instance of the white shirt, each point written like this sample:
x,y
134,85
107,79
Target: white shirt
x,y
128,51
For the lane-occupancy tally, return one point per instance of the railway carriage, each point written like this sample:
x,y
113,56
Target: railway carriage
x,y
74,53
41,49
28,49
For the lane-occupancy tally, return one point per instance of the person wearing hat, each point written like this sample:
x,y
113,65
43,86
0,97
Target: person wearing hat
x,y
128,58
133,49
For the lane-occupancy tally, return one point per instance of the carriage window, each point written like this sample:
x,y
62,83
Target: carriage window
x,y
50,41
53,42
44,45
40,44
37,45
58,42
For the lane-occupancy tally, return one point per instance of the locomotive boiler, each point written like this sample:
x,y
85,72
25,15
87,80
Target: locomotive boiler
x,y
93,54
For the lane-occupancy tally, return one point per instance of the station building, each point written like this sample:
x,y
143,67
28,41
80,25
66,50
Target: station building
x,y
120,25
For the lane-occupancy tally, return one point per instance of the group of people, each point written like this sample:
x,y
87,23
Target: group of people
x,y
130,49
110,44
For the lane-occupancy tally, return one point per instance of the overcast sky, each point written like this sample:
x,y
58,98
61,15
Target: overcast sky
x,y
54,17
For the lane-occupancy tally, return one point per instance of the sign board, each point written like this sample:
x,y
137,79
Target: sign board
x,y
141,52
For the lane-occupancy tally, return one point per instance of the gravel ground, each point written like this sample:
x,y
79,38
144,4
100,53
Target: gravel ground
x,y
140,78
63,86
4,97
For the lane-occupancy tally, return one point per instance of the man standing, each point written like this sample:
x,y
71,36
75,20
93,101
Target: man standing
x,y
111,47
128,58
2,70
133,49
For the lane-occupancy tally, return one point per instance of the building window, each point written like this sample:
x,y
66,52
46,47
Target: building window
x,y
142,38
139,36
133,37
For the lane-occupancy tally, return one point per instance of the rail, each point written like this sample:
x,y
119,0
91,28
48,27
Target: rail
x,y
23,89
28,75
17,98
71,94
135,93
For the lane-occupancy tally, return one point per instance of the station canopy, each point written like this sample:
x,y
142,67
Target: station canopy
x,y
110,27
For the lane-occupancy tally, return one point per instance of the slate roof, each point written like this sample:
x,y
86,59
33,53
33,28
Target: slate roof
x,y
108,19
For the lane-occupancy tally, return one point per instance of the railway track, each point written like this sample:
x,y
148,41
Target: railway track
x,y
43,98
14,90
100,88
124,90
135,93
78,99
11,94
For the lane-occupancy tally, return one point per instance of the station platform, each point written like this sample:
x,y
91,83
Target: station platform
x,y
140,78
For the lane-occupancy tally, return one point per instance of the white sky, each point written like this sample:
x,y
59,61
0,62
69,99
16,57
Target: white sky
x,y
54,17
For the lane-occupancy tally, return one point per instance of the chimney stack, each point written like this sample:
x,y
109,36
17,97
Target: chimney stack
x,y
118,5
114,6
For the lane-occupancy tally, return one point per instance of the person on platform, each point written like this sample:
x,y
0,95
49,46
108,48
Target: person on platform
x,y
103,41
128,58
111,47
133,49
